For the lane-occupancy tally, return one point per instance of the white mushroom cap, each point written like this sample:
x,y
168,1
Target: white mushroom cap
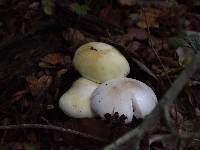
x,y
125,96
100,62
76,101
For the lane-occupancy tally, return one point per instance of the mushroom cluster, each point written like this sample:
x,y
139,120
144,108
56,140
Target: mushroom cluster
x,y
104,87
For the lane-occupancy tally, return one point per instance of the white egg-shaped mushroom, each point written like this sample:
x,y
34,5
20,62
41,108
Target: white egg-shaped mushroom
x,y
126,96
76,101
100,62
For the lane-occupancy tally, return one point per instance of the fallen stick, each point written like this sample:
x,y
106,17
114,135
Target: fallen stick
x,y
51,127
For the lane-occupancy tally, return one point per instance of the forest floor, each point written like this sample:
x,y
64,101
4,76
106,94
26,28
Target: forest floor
x,y
37,44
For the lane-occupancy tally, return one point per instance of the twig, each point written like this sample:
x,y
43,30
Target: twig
x,y
51,127
158,57
155,51
152,119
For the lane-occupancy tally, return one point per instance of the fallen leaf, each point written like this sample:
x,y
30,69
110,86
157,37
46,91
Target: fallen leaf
x,y
169,61
105,11
156,42
184,55
110,15
53,59
115,16
74,37
137,33
132,34
48,6
45,65
133,46
37,85
127,2
19,95
61,72
148,18
34,5
176,116
30,147
80,9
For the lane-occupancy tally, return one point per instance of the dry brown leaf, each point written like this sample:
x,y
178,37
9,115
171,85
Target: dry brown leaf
x,y
61,72
116,17
133,33
73,36
169,61
133,46
156,42
138,33
45,65
176,116
19,95
53,59
149,17
127,2
37,85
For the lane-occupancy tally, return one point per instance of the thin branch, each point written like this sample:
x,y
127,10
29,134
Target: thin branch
x,y
51,127
152,47
152,119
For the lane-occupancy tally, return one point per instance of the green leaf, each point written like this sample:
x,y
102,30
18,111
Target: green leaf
x,y
48,6
80,9
30,147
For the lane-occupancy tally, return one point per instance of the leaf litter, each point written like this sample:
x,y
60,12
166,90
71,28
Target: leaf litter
x,y
52,70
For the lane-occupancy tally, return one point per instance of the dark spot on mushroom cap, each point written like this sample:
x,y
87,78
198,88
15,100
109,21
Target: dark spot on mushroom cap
x,y
92,48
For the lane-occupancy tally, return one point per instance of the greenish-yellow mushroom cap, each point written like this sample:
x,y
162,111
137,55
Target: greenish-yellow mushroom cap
x,y
100,62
